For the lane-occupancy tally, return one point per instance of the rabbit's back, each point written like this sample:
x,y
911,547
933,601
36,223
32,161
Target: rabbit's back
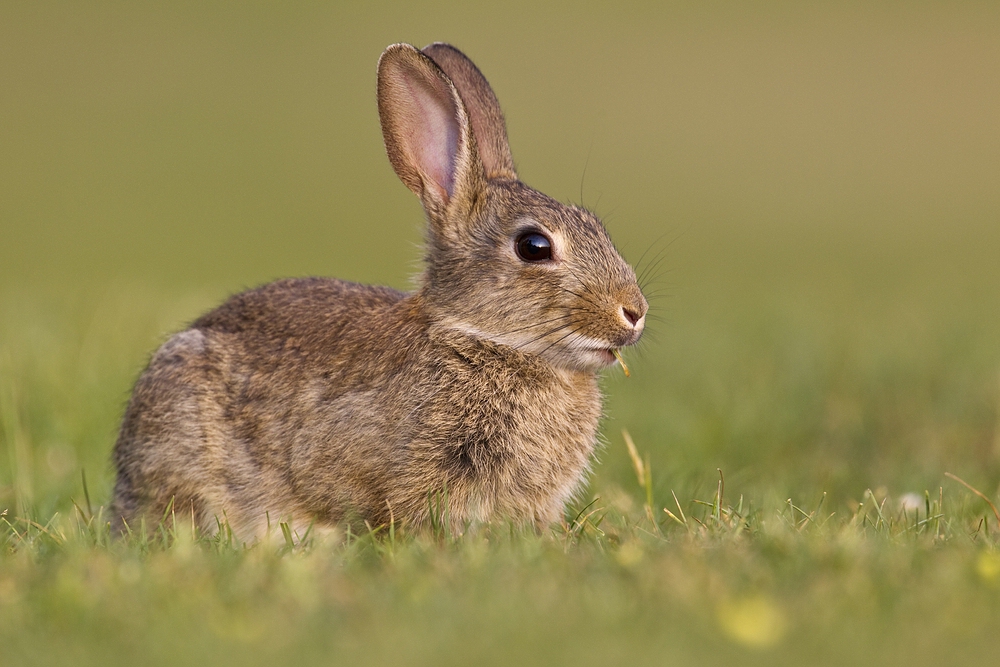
x,y
313,399
210,421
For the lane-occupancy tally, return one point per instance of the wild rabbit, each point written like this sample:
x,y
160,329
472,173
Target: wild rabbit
x,y
317,400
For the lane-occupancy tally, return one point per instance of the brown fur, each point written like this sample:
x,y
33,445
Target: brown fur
x,y
318,400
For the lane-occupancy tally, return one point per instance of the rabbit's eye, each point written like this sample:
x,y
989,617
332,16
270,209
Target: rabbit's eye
x,y
534,247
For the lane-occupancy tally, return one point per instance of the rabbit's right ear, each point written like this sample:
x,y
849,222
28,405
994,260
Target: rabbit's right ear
x,y
487,120
427,132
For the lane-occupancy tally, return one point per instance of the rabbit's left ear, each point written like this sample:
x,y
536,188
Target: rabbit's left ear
x,y
427,132
481,103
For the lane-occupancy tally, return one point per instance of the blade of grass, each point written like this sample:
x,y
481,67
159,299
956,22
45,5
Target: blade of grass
x,y
977,492
86,492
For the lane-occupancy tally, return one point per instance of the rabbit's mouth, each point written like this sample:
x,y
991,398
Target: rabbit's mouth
x,y
604,355
595,353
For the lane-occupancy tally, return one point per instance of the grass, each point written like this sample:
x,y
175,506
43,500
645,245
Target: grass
x,y
801,467
717,581
778,559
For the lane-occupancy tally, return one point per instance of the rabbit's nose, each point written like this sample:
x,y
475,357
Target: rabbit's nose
x,y
632,309
632,317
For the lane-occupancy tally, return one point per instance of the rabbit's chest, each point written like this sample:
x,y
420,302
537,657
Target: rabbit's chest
x,y
519,448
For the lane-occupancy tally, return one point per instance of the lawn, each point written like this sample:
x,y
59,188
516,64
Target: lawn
x,y
814,193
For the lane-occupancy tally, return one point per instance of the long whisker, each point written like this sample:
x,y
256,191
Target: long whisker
x,y
655,278
538,338
583,177
658,294
559,340
537,324
655,261
650,247
650,269
546,334
591,301
579,296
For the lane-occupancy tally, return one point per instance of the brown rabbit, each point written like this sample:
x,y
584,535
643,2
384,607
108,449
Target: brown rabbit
x,y
318,400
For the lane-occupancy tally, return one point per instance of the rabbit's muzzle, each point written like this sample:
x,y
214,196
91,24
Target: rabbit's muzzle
x,y
632,317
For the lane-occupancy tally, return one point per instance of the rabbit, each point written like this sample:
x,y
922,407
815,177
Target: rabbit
x,y
474,397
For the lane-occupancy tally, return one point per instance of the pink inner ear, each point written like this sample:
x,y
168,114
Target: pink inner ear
x,y
433,133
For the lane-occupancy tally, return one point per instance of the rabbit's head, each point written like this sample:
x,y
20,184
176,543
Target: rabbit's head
x,y
504,262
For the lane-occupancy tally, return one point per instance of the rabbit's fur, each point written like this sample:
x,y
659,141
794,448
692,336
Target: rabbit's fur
x,y
318,400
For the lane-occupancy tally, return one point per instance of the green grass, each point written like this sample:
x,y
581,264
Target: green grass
x,y
803,555
715,583
821,182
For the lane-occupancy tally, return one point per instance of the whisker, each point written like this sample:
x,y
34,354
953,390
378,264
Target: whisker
x,y
583,177
544,335
650,269
537,324
583,298
650,247
592,302
558,340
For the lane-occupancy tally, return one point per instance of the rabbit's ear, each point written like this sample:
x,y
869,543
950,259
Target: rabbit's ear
x,y
481,103
426,130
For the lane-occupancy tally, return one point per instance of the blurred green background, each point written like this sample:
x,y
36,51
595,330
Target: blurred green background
x,y
819,182
822,180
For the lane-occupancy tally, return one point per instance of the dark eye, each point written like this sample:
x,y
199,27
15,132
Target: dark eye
x,y
534,247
